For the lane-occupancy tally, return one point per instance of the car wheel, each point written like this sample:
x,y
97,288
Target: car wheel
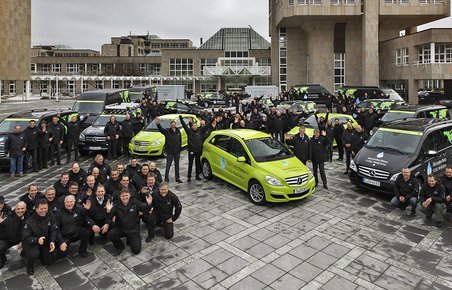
x,y
256,193
83,152
164,153
206,169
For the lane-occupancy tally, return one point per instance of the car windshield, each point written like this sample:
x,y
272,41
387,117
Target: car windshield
x,y
135,96
310,122
267,149
195,106
396,115
8,125
103,120
393,95
165,123
88,107
404,142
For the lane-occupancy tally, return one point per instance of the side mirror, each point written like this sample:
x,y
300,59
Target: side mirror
x,y
241,159
432,153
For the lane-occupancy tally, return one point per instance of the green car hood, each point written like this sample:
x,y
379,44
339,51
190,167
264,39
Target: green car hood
x,y
149,136
285,168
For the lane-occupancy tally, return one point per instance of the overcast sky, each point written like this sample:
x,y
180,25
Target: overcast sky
x,y
91,23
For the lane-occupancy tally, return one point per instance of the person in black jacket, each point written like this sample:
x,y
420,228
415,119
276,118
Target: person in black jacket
x,y
370,120
194,147
43,145
167,209
318,146
139,179
406,189
126,133
74,191
32,135
57,132
54,203
133,168
73,129
126,185
4,208
446,180
95,208
77,174
113,184
338,131
359,140
112,130
432,199
126,216
39,237
153,169
173,146
30,198
62,185
104,168
150,187
15,147
11,230
278,126
72,222
300,143
347,140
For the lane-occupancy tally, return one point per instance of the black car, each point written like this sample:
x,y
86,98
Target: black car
x,y
209,99
315,93
183,107
429,97
423,145
373,92
22,119
382,105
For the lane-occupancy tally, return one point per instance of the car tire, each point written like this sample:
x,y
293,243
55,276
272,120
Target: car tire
x,y
256,193
206,170
83,152
164,153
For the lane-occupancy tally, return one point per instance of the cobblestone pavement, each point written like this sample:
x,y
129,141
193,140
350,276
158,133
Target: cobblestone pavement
x,y
343,238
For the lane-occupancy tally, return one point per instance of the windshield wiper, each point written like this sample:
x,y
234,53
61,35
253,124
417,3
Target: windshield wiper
x,y
388,148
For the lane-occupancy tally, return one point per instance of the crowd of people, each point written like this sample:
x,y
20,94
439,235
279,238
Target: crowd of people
x,y
82,204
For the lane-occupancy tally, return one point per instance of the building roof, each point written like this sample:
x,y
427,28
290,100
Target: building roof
x,y
236,39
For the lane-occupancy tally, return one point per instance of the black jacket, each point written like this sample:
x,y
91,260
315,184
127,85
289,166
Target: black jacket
x,y
195,139
11,228
6,210
163,206
15,143
70,222
117,191
318,149
158,175
138,181
73,129
437,193
407,189
43,138
31,203
32,136
127,217
131,171
112,186
57,132
278,123
150,191
358,141
36,227
347,138
97,212
104,171
173,140
447,183
112,129
338,131
78,177
300,147
126,128
79,199
61,190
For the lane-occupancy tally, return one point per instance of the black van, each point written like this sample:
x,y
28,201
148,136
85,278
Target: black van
x,y
94,102
415,111
373,92
136,93
423,145
315,93
22,119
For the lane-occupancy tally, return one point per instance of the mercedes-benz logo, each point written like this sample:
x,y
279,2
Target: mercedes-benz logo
x,y
96,139
300,180
372,173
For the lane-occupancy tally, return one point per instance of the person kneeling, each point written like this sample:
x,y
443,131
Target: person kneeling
x,y
126,216
432,200
406,189
11,230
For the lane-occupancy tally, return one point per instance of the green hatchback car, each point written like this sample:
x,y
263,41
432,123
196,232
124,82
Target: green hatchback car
x,y
257,163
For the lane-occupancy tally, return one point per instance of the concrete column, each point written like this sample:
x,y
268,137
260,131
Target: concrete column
x,y
27,90
81,85
1,87
49,90
432,52
57,91
111,82
370,38
86,68
219,83
412,91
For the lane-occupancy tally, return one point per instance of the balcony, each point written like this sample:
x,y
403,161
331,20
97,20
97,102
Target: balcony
x,y
439,8
322,7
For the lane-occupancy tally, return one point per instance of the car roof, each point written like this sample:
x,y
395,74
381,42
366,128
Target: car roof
x,y
416,124
244,134
380,100
39,113
175,116
417,108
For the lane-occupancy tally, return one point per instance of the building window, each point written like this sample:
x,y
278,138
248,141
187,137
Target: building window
x,y
236,54
424,54
72,67
99,85
33,68
282,59
339,70
264,61
290,2
303,2
405,56
443,53
208,86
56,67
85,86
12,87
45,68
71,87
207,62
181,67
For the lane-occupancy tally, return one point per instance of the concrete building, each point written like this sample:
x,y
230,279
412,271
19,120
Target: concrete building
x,y
337,42
15,43
231,58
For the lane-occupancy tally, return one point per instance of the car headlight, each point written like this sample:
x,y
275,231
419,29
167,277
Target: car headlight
x,y
2,139
157,142
310,175
394,177
353,166
273,180
81,137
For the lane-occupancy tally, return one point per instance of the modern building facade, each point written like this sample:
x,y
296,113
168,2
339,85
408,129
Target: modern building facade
x,y
232,58
15,43
337,42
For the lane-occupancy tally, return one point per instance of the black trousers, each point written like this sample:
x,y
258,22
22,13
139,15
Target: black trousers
x,y
55,148
340,148
348,158
316,166
169,160
115,235
112,149
125,145
33,153
168,228
279,134
72,143
83,237
34,252
196,156
4,246
43,157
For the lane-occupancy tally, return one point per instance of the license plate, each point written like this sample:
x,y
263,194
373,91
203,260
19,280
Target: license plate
x,y
300,190
95,148
140,150
371,182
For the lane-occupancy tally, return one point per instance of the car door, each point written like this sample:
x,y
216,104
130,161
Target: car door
x,y
447,135
239,170
218,154
434,142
